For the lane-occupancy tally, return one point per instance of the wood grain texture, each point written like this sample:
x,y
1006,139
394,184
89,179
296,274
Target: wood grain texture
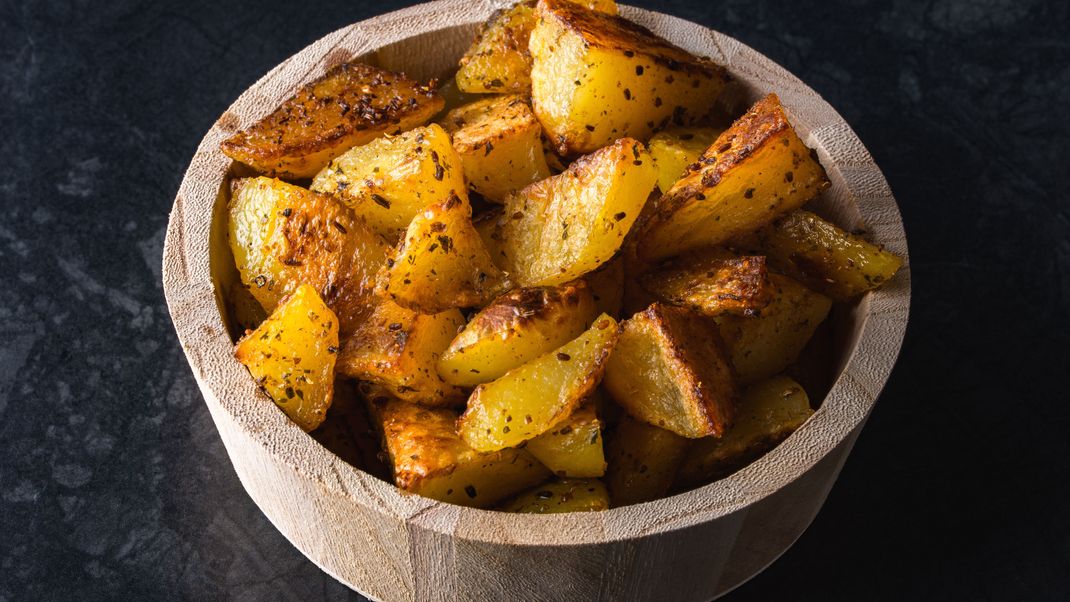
x,y
393,546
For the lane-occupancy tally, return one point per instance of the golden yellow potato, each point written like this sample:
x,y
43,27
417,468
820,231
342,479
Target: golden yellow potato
x,y
573,447
675,148
398,348
291,355
643,460
824,257
283,236
499,61
712,283
597,77
514,329
763,346
500,145
563,495
669,369
429,459
441,262
757,170
528,401
568,225
768,413
391,179
607,286
351,105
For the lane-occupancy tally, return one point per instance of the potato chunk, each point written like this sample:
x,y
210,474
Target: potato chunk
x,y
391,179
429,459
573,447
643,460
763,346
292,354
676,148
500,145
757,170
397,348
528,401
441,262
564,495
351,105
514,329
596,78
713,283
768,413
824,257
283,236
499,61
561,228
669,370
607,285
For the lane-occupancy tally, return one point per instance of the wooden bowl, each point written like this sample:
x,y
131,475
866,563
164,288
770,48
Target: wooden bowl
x,y
390,545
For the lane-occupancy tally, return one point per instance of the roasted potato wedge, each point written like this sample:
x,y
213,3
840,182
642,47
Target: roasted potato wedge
x,y
761,347
351,105
528,401
292,355
597,77
643,460
676,148
824,257
768,412
283,236
441,262
516,328
607,285
563,495
398,348
713,283
500,145
757,170
573,447
499,62
391,179
429,459
568,225
669,369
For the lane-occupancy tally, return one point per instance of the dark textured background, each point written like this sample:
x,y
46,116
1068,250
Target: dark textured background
x,y
114,484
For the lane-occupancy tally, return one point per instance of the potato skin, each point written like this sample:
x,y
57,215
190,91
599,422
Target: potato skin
x,y
768,413
350,105
397,348
712,283
292,355
598,77
428,458
757,170
516,328
669,369
763,346
824,257
283,236
500,145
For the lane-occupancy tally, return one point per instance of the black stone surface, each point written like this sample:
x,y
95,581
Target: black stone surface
x,y
114,484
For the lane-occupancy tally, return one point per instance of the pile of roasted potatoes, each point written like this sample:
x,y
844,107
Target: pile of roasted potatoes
x,y
554,283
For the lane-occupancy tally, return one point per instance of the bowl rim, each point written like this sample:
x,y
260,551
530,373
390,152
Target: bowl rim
x,y
193,301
